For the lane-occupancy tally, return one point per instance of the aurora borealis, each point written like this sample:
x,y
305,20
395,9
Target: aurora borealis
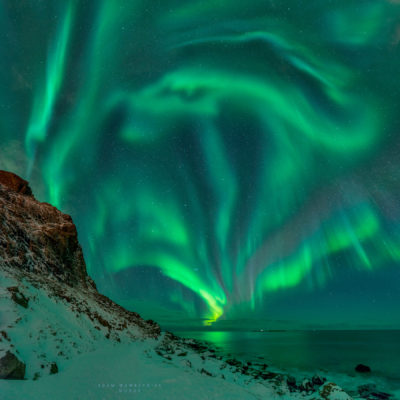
x,y
222,160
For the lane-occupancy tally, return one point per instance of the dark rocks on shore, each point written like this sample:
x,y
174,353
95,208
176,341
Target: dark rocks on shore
x,y
268,375
168,335
370,392
11,367
362,368
318,380
234,363
291,382
306,386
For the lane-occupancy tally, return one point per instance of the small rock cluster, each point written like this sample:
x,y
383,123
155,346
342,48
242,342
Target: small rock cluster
x,y
213,364
306,385
370,392
172,348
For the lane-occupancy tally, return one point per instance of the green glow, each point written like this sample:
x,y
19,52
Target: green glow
x,y
336,237
358,26
243,150
165,101
49,89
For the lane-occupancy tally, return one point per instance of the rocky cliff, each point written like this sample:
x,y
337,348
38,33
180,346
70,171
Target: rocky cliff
x,y
37,238
43,273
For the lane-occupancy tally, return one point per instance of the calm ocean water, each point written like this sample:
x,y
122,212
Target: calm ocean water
x,y
327,352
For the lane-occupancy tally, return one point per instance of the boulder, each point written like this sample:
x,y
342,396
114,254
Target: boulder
x,y
18,297
11,367
362,368
53,368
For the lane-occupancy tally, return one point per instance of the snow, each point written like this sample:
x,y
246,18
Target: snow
x,y
49,330
123,371
91,375
127,365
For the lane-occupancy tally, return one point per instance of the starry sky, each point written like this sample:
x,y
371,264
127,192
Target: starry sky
x,y
228,164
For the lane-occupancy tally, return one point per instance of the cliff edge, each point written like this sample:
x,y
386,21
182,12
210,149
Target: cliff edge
x,y
49,307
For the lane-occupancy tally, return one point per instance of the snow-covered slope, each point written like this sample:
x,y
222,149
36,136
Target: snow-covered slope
x,y
61,339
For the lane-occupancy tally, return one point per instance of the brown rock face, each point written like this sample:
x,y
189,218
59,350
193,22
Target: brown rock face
x,y
36,237
15,183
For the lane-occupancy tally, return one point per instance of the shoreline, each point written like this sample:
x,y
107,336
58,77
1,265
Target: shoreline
x,y
349,380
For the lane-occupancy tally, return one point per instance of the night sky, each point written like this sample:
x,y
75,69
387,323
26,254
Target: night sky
x,y
231,164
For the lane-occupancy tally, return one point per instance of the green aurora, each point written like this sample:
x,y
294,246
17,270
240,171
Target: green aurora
x,y
216,156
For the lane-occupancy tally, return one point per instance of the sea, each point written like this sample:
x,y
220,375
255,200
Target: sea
x,y
333,354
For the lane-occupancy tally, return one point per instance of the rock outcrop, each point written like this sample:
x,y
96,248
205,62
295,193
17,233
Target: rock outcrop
x,y
36,237
362,368
15,183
